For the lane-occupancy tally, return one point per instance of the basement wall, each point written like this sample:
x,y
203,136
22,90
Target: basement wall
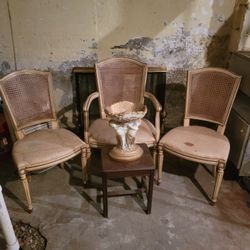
x,y
58,35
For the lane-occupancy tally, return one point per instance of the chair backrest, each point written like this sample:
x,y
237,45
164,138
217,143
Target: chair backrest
x,y
210,95
120,79
28,99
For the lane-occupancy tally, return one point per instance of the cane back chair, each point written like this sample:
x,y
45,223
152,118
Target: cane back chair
x,y
40,143
209,97
120,79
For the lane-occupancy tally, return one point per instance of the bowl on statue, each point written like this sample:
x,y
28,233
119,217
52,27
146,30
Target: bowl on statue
x,y
125,118
125,111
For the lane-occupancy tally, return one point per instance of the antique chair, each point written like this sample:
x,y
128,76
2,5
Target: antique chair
x,y
210,95
40,143
120,79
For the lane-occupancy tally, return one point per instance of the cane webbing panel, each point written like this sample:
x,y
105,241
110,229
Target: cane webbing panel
x,y
28,97
121,80
209,95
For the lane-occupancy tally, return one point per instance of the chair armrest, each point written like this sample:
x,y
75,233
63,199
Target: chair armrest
x,y
89,100
85,108
158,109
154,101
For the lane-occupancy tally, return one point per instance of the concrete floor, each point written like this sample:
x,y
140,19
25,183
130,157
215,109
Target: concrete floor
x,y
68,215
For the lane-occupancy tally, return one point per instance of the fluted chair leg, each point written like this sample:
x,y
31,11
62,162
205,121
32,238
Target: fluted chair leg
x,y
25,183
160,164
219,177
155,156
215,171
84,160
88,150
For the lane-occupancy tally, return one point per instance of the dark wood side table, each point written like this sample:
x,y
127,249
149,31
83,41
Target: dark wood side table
x,y
144,166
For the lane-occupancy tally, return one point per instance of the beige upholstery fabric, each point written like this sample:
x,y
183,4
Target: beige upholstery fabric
x,y
29,104
45,146
101,131
209,97
120,79
196,141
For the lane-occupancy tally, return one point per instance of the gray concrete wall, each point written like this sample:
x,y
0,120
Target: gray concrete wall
x,y
60,34
245,33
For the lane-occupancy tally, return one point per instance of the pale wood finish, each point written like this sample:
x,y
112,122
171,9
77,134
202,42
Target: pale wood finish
x,y
218,180
188,116
18,129
25,183
86,107
99,94
218,166
20,134
119,62
158,109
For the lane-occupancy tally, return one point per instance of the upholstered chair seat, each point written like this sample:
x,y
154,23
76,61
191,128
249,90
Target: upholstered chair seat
x,y
40,142
209,98
44,147
120,79
100,131
199,143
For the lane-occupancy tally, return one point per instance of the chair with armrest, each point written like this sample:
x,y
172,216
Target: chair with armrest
x,y
40,143
209,97
120,79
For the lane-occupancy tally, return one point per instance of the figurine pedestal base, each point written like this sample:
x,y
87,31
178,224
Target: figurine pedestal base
x,y
126,155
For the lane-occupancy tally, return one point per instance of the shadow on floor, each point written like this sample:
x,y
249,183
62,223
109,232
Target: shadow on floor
x,y
95,182
181,167
8,173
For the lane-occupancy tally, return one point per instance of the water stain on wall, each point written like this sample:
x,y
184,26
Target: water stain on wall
x,y
5,68
64,87
179,36
183,50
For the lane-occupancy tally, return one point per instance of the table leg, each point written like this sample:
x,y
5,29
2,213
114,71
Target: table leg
x,y
150,191
105,195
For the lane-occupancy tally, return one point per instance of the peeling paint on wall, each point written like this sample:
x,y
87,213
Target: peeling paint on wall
x,y
63,86
59,35
86,61
5,68
180,51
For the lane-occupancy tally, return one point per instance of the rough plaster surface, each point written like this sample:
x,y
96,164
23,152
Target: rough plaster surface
x,y
58,35
246,27
6,49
